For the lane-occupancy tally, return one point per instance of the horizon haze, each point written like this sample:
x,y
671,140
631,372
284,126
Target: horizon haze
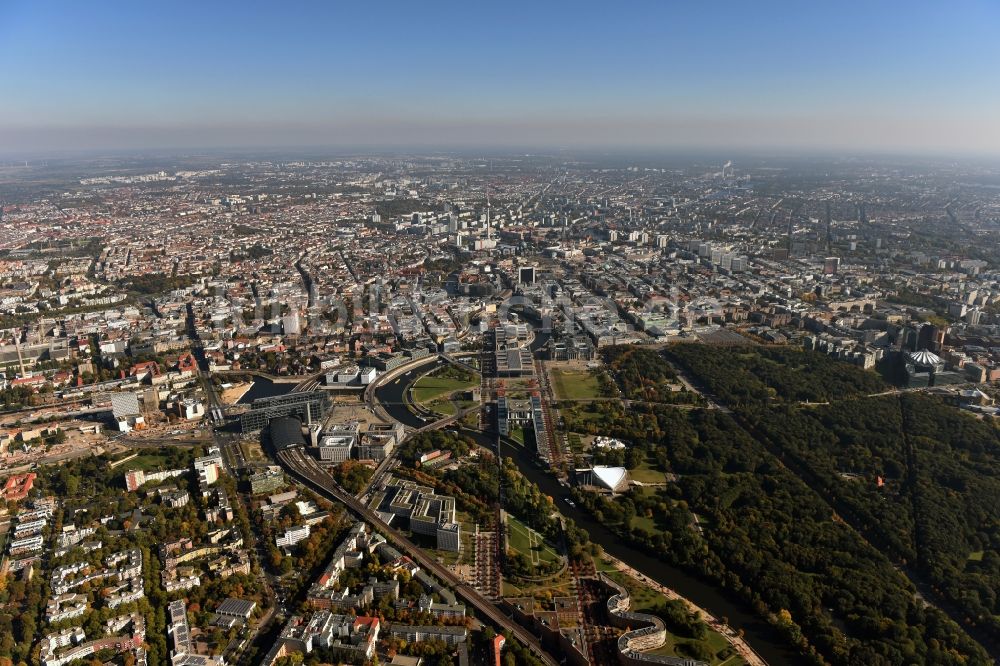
x,y
854,78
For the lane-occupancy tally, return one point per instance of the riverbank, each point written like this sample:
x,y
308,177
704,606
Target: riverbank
x,y
733,637
235,393
767,644
756,630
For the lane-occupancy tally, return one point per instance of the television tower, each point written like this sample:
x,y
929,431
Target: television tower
x,y
20,356
828,222
488,243
488,207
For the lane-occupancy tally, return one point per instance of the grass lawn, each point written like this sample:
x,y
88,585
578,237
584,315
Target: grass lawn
x,y
673,644
575,443
976,556
601,564
523,436
643,598
147,462
648,524
517,434
648,471
442,406
527,541
561,586
574,384
644,474
735,660
428,388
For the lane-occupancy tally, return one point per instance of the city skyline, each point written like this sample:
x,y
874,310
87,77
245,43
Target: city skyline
x,y
780,76
452,333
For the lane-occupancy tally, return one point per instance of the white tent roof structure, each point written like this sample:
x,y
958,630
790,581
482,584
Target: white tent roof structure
x,y
609,477
925,358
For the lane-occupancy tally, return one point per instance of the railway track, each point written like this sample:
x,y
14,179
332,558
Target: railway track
x,y
302,467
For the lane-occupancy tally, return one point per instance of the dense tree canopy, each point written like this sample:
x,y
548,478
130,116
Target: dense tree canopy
x,y
758,376
918,478
434,440
642,374
739,516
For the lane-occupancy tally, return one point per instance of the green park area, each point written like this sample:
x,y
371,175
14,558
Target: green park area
x,y
435,391
442,406
147,462
575,384
428,388
526,541
647,471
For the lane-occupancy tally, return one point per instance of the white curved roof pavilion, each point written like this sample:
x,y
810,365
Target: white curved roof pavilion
x,y
612,478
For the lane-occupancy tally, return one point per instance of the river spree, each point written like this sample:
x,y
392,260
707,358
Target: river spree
x,y
756,632
265,388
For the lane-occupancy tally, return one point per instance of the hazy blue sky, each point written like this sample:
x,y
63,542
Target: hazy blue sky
x,y
909,76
